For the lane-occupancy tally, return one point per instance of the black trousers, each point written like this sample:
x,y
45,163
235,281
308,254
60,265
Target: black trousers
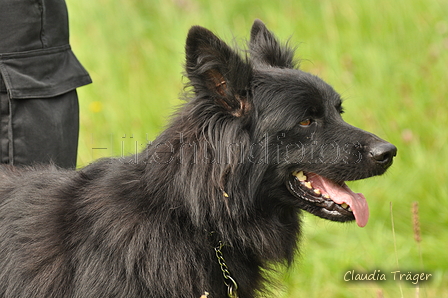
x,y
40,130
39,74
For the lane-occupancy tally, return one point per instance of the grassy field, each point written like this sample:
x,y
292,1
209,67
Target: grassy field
x,y
389,61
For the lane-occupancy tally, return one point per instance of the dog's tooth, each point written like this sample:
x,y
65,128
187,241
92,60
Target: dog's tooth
x,y
317,191
325,196
344,205
308,185
301,176
349,209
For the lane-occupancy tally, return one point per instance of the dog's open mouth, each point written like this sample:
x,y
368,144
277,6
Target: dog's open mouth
x,y
328,199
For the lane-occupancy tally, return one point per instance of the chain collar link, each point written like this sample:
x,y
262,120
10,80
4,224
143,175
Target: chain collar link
x,y
229,281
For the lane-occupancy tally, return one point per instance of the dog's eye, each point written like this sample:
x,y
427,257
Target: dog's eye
x,y
306,122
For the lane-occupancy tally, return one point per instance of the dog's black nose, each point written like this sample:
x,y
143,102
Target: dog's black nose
x,y
383,154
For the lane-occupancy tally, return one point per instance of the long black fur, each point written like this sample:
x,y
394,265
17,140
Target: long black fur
x,y
148,227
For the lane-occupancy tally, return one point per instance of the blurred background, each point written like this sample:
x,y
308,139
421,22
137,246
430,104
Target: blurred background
x,y
388,60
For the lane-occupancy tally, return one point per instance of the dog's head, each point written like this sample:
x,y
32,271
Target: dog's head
x,y
299,149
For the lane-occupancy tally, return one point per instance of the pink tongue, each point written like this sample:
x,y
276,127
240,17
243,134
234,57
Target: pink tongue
x,y
343,194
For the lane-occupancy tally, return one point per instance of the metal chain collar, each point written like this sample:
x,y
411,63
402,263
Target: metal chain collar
x,y
232,286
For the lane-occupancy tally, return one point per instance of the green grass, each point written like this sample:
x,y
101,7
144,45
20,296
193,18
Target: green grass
x,y
388,59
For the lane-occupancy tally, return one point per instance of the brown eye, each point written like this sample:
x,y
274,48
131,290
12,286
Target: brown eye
x,y
306,122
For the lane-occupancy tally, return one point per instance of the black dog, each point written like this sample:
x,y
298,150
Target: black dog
x,y
210,203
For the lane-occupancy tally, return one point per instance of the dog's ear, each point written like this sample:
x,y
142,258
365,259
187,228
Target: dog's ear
x,y
217,72
266,49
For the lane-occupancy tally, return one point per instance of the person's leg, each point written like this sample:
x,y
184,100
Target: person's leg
x,y
45,130
4,126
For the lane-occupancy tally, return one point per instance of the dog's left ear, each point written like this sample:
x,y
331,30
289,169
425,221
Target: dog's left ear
x,y
266,49
217,72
